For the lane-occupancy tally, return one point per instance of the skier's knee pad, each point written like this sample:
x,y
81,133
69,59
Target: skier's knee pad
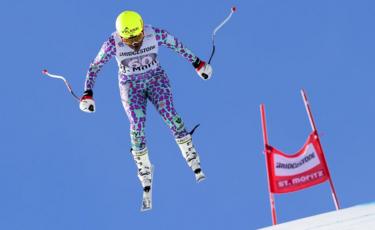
x,y
138,138
178,124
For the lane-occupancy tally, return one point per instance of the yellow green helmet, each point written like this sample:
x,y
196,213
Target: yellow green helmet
x,y
129,24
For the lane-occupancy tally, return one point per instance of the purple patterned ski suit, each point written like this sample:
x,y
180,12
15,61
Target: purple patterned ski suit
x,y
141,78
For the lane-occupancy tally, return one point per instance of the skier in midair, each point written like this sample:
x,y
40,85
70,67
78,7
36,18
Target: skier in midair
x,y
141,78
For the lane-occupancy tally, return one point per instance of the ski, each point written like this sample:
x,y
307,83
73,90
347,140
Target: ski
x,y
199,176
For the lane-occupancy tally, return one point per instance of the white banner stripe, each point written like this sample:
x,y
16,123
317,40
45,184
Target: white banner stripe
x,y
286,166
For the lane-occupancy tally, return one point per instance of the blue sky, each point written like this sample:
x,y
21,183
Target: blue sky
x,y
61,168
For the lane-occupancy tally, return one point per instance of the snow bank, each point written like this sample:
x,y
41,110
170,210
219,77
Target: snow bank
x,y
361,217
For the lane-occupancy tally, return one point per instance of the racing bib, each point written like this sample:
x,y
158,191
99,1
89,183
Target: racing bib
x,y
136,62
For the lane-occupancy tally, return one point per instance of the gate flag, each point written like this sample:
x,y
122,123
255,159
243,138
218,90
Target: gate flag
x,y
306,168
292,172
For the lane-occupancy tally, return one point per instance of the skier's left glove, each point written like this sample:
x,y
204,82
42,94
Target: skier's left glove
x,y
203,69
87,103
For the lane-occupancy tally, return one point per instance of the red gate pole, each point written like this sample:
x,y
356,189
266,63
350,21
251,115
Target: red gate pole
x,y
313,126
266,151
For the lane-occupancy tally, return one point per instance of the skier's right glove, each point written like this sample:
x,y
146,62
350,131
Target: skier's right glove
x,y
87,103
203,69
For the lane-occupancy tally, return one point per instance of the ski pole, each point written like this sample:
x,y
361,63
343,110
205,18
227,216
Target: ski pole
x,y
233,9
45,72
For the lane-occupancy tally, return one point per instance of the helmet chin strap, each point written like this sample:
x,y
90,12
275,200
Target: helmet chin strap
x,y
134,47
137,47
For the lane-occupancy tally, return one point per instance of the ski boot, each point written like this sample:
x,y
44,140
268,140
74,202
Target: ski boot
x,y
145,176
191,156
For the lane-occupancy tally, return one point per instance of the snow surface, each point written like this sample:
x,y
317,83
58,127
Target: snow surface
x,y
361,217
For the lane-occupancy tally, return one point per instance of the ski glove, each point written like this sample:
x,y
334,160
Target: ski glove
x,y
203,69
87,103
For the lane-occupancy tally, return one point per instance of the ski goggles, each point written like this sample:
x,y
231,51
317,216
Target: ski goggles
x,y
134,40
